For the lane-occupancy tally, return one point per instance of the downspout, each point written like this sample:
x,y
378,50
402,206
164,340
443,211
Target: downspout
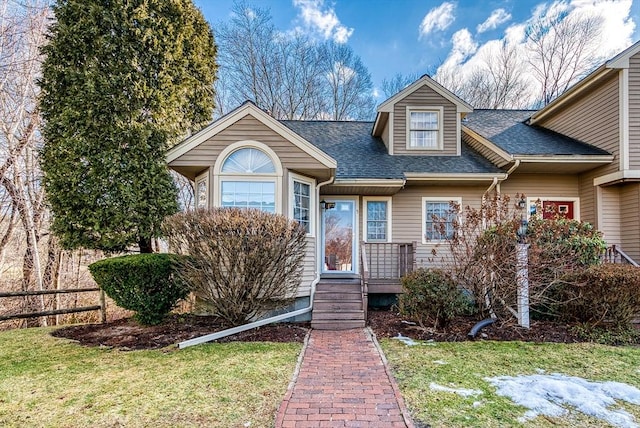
x,y
271,320
495,184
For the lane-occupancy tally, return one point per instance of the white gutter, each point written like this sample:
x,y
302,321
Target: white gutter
x,y
281,317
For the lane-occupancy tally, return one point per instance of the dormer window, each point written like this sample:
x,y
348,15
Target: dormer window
x,y
424,125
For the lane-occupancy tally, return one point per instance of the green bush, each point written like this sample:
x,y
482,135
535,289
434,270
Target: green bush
x,y
601,293
431,297
148,284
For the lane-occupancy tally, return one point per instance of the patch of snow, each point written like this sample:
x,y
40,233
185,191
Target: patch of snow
x,y
460,391
440,362
406,340
551,394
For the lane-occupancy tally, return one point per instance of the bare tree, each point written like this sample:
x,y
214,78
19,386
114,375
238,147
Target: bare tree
x,y
22,32
397,83
498,82
562,48
288,74
350,91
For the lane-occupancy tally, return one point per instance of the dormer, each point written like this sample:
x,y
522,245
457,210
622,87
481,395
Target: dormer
x,y
422,119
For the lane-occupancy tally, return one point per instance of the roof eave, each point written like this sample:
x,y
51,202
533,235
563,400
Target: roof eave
x,y
234,116
462,106
572,93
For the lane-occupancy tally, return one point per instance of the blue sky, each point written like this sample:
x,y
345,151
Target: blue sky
x,y
415,36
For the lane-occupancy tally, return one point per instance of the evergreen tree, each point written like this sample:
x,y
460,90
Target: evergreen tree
x,y
122,81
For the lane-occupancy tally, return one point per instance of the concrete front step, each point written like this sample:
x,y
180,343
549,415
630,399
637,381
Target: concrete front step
x,y
337,324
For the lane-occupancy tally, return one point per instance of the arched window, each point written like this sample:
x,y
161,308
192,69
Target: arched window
x,y
249,179
248,161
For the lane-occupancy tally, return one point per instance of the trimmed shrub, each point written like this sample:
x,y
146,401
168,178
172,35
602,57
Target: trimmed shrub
x,y
148,284
431,296
243,262
607,292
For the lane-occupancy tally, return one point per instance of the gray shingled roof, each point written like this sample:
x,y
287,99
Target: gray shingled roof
x,y
508,130
361,155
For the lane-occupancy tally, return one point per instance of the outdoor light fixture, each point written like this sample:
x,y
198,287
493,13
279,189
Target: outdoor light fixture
x,y
327,205
522,203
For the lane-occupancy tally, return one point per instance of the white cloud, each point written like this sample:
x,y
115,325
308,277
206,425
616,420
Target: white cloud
x,y
497,17
616,34
323,20
438,18
463,47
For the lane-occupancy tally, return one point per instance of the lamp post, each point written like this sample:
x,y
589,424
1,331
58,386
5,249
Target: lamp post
x,y
522,267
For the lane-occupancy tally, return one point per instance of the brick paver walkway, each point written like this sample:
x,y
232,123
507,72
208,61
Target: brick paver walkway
x,y
342,382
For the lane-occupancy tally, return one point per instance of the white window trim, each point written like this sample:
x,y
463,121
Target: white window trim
x,y
219,177
426,199
200,178
312,202
365,212
431,109
576,204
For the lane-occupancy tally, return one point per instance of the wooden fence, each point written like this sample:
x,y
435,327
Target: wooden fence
x,y
102,307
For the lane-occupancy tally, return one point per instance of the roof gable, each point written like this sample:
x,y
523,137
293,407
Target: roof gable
x,y
462,106
249,109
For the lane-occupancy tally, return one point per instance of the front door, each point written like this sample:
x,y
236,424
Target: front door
x,y
339,236
557,209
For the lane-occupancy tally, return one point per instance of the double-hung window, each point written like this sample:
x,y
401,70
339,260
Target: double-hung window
x,y
424,127
438,218
302,197
377,221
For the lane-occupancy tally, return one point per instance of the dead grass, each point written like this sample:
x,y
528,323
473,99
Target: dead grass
x,y
49,382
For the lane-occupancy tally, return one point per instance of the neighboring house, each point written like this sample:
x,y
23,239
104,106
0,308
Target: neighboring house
x,y
380,182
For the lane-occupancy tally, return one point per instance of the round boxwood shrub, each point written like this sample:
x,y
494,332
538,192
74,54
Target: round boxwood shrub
x,y
148,284
432,296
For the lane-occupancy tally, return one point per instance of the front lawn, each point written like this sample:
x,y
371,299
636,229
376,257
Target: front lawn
x,y
51,382
446,384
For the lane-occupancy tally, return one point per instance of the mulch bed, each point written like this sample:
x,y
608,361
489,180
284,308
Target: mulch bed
x,y
126,334
390,324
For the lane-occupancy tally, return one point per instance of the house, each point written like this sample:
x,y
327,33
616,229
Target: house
x,y
380,182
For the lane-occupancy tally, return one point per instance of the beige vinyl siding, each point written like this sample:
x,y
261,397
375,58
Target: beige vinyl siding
x,y
634,112
248,128
630,222
610,215
385,134
587,194
541,185
593,119
309,269
407,217
425,97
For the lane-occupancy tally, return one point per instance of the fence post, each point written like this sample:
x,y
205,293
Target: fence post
x,y
103,307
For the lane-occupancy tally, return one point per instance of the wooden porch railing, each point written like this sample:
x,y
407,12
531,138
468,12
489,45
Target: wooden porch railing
x,y
364,278
383,264
614,254
389,260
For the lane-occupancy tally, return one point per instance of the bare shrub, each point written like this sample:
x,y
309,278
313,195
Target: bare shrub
x,y
243,264
607,292
482,255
